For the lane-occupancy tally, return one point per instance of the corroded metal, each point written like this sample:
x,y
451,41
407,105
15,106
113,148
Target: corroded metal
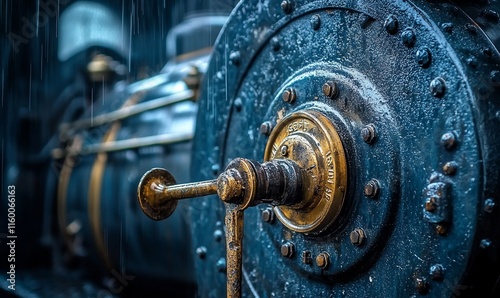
x,y
314,144
307,179
234,249
158,194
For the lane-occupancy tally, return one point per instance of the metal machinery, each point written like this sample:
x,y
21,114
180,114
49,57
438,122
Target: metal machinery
x,y
342,149
360,141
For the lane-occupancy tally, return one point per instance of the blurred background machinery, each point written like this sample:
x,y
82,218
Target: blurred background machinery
x,y
359,138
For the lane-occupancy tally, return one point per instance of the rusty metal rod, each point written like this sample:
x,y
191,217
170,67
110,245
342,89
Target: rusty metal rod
x,y
185,191
234,249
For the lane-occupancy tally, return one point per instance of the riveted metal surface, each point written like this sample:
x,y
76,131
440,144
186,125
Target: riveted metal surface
x,y
381,81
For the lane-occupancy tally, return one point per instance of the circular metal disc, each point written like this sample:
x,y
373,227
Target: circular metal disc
x,y
150,196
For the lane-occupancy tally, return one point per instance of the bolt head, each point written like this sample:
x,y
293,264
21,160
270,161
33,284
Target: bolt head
x,y
289,95
287,250
275,44
448,140
357,237
266,128
441,230
368,133
286,6
408,37
221,265
268,215
315,22
323,260
436,272
372,188
437,87
234,57
238,104
230,186
218,235
391,24
424,57
215,169
450,168
485,243
330,89
489,205
201,252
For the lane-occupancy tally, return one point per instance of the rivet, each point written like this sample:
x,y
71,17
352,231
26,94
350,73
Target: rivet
x,y
485,243
357,237
286,6
268,215
238,104
221,265
372,188
408,37
448,140
489,205
471,28
218,235
437,87
275,43
437,272
330,89
490,15
368,133
289,95
424,57
495,78
441,230
306,257
287,250
450,168
201,252
391,24
215,169
447,27
315,22
487,52
323,260
471,61
266,128
234,57
421,285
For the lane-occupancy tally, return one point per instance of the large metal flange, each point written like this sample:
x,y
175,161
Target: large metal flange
x,y
411,88
310,139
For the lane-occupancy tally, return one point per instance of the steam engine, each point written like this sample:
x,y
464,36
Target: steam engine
x,y
280,148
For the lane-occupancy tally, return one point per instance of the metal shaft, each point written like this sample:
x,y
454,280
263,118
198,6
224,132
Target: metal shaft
x,y
187,190
234,249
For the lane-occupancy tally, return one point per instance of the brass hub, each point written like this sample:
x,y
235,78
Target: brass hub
x,y
310,140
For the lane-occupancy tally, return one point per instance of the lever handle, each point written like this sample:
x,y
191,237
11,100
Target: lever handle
x,y
158,194
244,183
